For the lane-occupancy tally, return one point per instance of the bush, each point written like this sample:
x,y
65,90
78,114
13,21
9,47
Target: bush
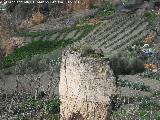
x,y
106,9
151,17
53,105
136,65
123,65
87,51
107,6
10,7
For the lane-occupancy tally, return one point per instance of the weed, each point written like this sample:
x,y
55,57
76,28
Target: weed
x,y
106,9
87,51
150,74
44,108
133,85
151,17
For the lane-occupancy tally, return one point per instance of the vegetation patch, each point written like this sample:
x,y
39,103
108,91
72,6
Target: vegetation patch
x,y
87,51
133,85
31,49
106,9
150,74
149,105
40,47
126,63
51,32
33,108
151,17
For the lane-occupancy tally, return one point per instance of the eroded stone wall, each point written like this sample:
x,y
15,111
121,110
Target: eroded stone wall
x,y
86,87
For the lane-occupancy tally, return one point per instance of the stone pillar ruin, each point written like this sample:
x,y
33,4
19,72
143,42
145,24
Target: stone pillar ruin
x,y
86,87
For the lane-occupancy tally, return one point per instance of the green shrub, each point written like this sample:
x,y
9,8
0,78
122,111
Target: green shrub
x,y
107,6
133,85
151,17
135,65
149,105
50,107
106,9
87,51
123,64
150,74
53,105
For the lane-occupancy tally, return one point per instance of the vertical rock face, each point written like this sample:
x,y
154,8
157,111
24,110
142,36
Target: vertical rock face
x,y
86,87
5,26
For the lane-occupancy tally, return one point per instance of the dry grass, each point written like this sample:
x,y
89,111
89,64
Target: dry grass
x,y
150,38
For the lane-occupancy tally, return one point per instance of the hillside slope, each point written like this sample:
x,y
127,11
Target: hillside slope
x,y
117,33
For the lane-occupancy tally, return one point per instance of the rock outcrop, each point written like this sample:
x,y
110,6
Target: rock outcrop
x,y
11,45
5,26
37,18
86,87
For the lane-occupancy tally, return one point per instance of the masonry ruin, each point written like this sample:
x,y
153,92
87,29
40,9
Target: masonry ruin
x,y
86,87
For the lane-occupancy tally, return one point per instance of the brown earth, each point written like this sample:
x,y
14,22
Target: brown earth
x,y
10,45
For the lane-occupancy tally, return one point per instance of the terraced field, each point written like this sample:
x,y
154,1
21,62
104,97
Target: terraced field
x,y
43,42
115,34
112,35
67,34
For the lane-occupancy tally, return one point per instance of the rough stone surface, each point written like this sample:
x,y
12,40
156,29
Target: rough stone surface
x,y
37,18
12,44
6,29
86,87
